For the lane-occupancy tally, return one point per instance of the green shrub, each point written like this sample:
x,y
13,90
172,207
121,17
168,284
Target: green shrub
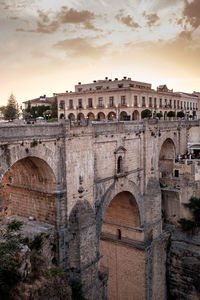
x,y
194,205
171,114
10,246
146,113
180,114
186,225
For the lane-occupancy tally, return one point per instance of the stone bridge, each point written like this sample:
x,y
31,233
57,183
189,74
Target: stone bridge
x,y
99,186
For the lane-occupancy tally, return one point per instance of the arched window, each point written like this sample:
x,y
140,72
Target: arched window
x,y
119,234
119,164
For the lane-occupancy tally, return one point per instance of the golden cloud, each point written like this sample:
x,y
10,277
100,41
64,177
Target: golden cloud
x,y
81,47
151,19
127,20
66,15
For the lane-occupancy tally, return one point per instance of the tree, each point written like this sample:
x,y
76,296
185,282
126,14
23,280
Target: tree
x,y
194,205
54,109
47,114
180,114
146,113
10,245
11,110
171,114
159,115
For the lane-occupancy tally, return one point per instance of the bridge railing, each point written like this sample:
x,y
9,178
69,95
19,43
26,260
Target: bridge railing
x,y
11,132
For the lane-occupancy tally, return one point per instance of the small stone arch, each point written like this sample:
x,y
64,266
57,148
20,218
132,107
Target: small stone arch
x,y
111,115
71,117
167,156
80,117
123,115
62,116
90,116
101,116
135,115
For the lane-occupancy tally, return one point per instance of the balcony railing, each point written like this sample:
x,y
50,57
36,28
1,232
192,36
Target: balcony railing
x,y
89,106
122,105
111,105
79,106
100,105
70,107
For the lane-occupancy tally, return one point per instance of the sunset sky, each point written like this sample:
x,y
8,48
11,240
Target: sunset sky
x,y
48,46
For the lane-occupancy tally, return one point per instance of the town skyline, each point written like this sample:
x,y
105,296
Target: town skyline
x,y
48,47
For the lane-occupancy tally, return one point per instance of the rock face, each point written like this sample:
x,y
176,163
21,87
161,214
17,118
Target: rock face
x,y
183,266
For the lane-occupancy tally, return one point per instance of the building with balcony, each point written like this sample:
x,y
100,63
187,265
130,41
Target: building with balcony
x,y
123,99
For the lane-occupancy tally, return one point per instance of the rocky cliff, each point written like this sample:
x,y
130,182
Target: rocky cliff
x,y
183,265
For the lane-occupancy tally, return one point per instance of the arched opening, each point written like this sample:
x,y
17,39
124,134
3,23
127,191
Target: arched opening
x,y
119,165
71,117
111,115
62,116
165,115
123,116
124,262
28,190
90,116
101,116
135,115
166,158
80,117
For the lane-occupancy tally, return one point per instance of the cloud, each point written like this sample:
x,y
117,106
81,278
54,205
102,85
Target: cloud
x,y
42,27
70,16
151,19
127,20
191,13
81,47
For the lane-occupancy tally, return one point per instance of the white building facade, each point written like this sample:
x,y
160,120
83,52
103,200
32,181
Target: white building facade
x,y
123,99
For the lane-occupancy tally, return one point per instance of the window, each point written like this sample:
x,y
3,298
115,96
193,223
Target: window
x,y
170,103
181,104
150,102
155,102
70,103
89,102
119,165
178,103
135,101
119,234
176,173
143,102
165,102
123,100
160,102
111,101
62,104
100,102
174,103
80,103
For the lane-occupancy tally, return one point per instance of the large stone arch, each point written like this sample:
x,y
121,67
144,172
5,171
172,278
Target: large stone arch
x,y
111,192
28,188
120,241
10,154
